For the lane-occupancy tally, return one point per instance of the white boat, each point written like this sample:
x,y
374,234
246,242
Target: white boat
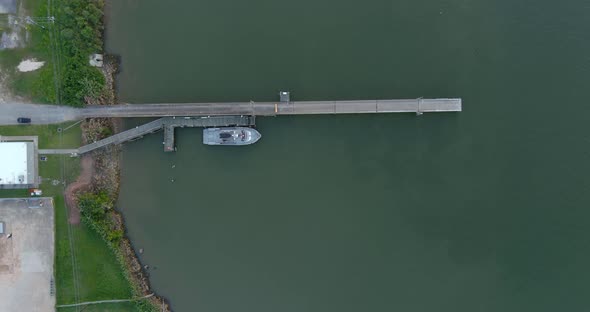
x,y
230,136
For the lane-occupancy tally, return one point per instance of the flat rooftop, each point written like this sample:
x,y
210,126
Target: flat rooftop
x,y
7,6
26,258
17,164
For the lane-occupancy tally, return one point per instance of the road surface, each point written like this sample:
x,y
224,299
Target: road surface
x,y
50,114
39,114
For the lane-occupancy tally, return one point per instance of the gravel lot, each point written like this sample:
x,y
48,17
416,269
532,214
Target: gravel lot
x,y
26,258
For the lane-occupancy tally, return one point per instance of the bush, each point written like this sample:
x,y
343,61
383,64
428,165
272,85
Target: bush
x,y
94,208
80,26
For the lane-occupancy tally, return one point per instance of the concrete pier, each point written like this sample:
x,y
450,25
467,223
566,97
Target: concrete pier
x,y
275,108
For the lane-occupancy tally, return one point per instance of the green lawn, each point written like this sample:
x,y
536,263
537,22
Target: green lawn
x,y
106,307
49,137
98,272
37,85
29,84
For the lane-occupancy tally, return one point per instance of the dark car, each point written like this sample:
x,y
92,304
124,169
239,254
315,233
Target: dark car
x,y
23,120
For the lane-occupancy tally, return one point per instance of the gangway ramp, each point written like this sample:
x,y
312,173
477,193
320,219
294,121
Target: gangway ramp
x,y
169,124
124,136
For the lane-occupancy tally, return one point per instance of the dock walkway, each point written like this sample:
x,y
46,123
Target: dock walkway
x,y
59,151
239,114
169,124
124,136
418,106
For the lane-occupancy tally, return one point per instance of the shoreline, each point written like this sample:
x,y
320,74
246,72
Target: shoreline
x,y
135,272
100,170
104,175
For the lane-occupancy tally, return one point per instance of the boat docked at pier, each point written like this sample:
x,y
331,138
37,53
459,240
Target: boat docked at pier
x,y
230,136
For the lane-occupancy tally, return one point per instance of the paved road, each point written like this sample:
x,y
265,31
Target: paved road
x,y
47,114
39,114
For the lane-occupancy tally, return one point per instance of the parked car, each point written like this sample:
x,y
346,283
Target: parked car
x,y
23,120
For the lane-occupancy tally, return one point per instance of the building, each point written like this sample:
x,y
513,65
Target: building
x,y
18,164
7,6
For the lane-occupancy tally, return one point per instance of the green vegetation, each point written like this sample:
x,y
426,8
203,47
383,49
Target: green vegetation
x,y
94,209
110,307
37,85
65,46
99,277
97,212
88,264
98,272
49,137
80,31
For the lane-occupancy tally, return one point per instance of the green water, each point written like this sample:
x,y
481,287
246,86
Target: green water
x,y
483,210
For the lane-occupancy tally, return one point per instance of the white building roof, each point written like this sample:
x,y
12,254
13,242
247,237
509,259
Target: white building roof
x,y
7,6
13,163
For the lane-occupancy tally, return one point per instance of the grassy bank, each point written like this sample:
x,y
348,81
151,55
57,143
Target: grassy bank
x,y
87,267
110,307
98,274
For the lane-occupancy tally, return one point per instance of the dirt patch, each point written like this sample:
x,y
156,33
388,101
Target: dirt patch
x,y
81,184
5,95
30,65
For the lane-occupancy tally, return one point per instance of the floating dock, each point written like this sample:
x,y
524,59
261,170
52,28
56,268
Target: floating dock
x,y
168,124
171,123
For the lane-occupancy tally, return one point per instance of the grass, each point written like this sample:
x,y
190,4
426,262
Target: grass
x,y
38,85
99,274
106,307
49,137
65,47
13,193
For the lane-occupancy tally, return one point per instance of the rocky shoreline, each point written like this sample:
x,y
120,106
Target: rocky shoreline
x,y
106,178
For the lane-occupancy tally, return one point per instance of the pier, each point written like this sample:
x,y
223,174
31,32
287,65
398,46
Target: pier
x,y
243,114
278,108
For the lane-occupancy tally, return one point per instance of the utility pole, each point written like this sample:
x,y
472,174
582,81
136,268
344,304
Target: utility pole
x,y
39,21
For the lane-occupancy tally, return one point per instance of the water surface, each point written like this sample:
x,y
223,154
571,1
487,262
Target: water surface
x,y
485,210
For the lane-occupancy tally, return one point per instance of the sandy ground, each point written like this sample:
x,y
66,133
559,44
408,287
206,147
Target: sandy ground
x,y
81,184
5,96
26,259
29,65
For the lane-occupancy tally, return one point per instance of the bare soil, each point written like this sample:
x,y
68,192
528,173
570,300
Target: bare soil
x,y
81,184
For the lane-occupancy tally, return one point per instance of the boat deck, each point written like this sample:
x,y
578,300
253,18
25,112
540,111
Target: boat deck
x,y
171,123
